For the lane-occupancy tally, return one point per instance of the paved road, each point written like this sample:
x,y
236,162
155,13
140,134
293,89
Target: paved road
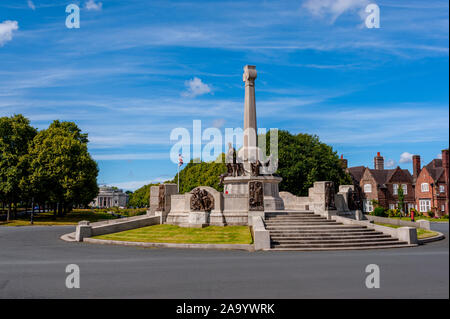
x,y
33,261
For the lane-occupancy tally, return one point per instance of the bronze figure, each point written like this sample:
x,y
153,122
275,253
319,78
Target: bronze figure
x,y
161,199
329,196
202,200
256,196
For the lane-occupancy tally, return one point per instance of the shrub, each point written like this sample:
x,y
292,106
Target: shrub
x,y
445,217
394,213
430,214
379,211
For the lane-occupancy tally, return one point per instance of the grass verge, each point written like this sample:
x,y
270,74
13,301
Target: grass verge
x,y
46,219
182,235
421,233
435,220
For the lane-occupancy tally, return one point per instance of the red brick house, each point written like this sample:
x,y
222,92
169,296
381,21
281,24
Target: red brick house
x,y
382,185
431,185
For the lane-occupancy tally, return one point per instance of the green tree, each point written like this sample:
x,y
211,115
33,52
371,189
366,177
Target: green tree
x,y
201,174
401,199
141,196
62,166
15,136
303,160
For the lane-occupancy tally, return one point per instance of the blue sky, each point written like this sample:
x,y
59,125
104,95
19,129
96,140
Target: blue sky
x,y
135,70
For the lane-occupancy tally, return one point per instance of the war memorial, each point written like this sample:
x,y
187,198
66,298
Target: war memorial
x,y
323,220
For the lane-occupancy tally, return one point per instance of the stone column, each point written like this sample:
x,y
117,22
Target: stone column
x,y
250,142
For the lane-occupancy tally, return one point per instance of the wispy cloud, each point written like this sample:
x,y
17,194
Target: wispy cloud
x,y
333,8
405,157
133,185
196,87
94,6
31,5
390,163
133,156
6,31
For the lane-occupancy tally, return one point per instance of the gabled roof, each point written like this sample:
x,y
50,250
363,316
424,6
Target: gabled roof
x,y
381,176
437,162
435,169
356,172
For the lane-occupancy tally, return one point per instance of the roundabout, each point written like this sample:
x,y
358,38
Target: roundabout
x,y
33,265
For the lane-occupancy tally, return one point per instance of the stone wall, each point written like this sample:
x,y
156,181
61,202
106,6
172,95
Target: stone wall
x,y
86,229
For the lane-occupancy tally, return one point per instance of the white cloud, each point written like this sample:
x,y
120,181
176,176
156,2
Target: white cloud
x,y
439,156
131,156
6,31
31,5
405,157
334,8
92,5
390,163
133,185
196,87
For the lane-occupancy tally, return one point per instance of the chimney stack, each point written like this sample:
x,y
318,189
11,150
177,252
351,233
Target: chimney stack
x,y
416,166
378,161
446,172
445,164
344,162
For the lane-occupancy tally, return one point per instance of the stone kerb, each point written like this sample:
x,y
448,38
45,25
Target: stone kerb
x,y
84,229
421,223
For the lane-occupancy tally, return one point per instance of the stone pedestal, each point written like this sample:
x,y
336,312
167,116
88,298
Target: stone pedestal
x,y
197,219
160,197
236,208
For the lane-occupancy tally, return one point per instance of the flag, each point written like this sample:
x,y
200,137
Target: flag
x,y
180,160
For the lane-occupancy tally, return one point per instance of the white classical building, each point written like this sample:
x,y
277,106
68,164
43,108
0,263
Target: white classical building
x,y
110,197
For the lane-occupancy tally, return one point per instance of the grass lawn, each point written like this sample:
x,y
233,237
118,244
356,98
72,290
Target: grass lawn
x,y
46,219
182,235
421,233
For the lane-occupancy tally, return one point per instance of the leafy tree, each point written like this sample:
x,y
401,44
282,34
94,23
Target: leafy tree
x,y
141,196
15,136
62,166
201,174
401,200
303,160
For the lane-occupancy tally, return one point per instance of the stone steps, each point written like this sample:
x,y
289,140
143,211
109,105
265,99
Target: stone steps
x,y
314,227
300,222
343,248
322,237
332,241
283,218
308,231
339,245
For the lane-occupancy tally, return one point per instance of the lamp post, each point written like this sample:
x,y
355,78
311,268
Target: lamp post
x,y
32,210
